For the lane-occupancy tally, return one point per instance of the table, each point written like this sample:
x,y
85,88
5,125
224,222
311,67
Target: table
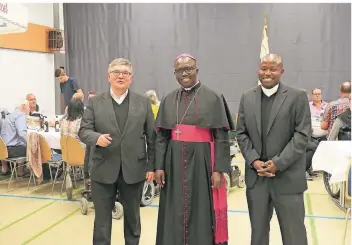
x,y
334,158
52,137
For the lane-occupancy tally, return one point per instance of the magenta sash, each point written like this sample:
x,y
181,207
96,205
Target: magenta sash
x,y
190,133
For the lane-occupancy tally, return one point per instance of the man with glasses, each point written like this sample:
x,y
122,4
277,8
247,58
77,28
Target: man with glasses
x,y
192,151
120,124
317,107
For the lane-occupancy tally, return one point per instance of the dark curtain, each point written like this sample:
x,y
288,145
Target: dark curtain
x,y
225,39
314,40
315,43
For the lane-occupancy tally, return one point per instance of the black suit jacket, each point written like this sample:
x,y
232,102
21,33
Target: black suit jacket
x,y
288,134
136,140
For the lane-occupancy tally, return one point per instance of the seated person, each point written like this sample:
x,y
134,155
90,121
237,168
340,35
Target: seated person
x,y
151,94
33,106
13,132
341,128
64,116
70,125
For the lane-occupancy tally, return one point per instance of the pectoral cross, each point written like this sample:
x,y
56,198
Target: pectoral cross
x,y
178,132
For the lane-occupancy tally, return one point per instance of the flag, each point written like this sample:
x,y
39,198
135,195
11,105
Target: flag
x,y
264,49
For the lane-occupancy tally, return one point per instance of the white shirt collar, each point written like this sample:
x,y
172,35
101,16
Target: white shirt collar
x,y
118,99
270,91
188,89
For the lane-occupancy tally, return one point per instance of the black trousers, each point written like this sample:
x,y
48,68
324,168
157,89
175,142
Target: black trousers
x,y
86,163
290,210
309,157
104,196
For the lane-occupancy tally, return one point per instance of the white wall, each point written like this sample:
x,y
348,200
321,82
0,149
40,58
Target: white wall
x,y
61,16
61,22
23,72
40,13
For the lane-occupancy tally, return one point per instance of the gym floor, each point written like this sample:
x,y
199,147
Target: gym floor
x,y
36,217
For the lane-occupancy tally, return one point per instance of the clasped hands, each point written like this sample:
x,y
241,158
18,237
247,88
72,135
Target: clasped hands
x,y
266,169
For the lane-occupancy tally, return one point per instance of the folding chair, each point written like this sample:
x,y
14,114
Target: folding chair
x,y
73,154
47,157
13,162
347,197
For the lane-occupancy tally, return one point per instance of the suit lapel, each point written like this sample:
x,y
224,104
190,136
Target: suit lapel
x,y
258,109
108,107
131,110
278,101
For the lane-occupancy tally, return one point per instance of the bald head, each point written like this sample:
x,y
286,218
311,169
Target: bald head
x,y
28,96
32,100
345,88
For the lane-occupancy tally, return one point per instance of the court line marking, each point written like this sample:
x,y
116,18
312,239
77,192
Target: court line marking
x,y
50,227
26,216
313,228
157,206
53,199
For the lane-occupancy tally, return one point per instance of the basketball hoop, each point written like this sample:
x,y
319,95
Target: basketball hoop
x,y
13,18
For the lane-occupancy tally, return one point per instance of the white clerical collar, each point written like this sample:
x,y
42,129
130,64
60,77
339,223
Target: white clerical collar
x,y
270,91
118,99
188,89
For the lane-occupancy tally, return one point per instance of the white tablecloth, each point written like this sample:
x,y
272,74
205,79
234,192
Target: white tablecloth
x,y
52,137
333,157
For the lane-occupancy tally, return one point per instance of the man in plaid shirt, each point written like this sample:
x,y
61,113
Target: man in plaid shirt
x,y
334,108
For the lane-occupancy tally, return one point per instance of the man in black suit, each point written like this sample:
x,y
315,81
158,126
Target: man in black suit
x,y
120,124
273,130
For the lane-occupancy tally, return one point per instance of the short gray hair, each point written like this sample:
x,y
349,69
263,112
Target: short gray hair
x,y
119,61
151,94
29,95
23,104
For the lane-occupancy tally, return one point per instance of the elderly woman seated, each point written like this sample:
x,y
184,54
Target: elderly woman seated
x,y
151,94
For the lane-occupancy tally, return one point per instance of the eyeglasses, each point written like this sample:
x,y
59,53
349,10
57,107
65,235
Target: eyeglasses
x,y
188,70
123,73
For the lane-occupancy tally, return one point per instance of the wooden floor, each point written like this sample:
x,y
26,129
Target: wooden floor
x,y
38,218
